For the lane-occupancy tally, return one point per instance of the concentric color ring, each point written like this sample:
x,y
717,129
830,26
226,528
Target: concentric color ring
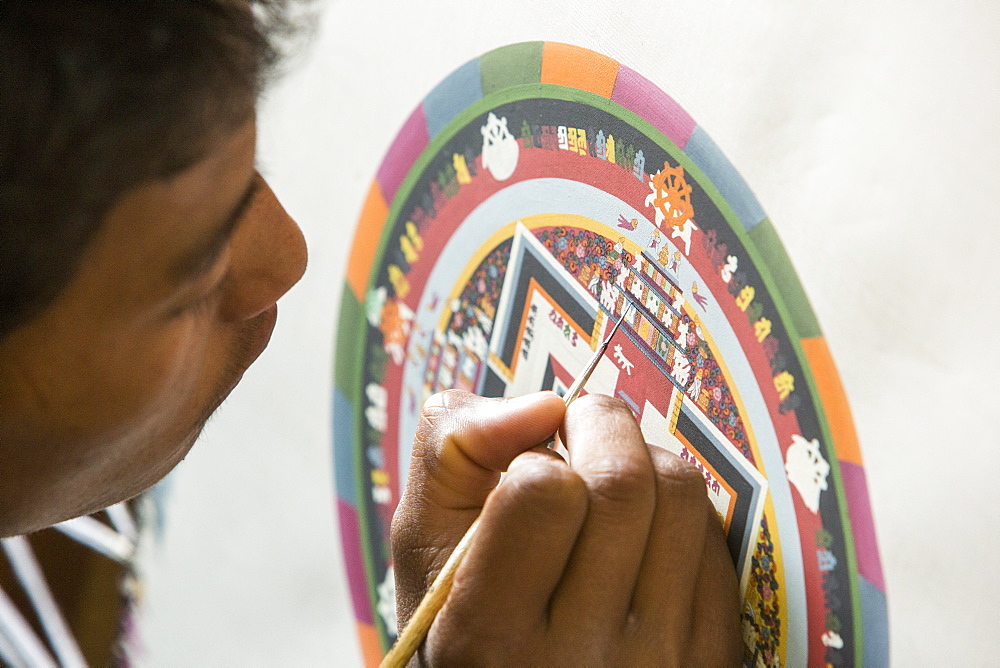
x,y
532,188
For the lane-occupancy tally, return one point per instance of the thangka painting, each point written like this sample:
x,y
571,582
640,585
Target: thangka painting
x,y
536,194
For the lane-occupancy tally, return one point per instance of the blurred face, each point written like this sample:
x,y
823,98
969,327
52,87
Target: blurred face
x,y
107,389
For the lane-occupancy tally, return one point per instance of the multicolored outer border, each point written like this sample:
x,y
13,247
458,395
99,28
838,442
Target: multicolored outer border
x,y
577,68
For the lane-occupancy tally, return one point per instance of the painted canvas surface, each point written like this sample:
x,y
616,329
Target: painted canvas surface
x,y
535,195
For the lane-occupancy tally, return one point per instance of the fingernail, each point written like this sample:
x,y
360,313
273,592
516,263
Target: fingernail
x,y
436,400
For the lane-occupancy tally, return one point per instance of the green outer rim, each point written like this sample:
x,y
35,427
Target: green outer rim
x,y
824,425
766,240
553,91
348,377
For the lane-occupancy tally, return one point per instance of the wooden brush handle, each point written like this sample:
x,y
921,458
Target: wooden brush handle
x,y
420,623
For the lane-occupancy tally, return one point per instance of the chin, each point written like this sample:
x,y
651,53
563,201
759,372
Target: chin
x,y
136,463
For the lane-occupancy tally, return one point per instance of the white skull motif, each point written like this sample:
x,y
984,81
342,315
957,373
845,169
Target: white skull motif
x,y
500,149
807,470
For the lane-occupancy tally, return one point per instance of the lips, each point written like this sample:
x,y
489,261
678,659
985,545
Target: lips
x,y
248,346
261,328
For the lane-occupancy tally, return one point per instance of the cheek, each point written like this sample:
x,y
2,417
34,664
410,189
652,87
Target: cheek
x,y
185,365
154,375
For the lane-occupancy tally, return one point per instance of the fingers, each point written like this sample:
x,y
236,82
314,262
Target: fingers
x,y
664,595
609,453
617,560
717,640
462,443
527,531
686,599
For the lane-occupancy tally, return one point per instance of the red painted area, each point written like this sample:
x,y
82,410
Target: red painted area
x,y
637,386
533,163
785,425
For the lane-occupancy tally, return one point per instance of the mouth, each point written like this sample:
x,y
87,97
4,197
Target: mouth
x,y
250,344
259,335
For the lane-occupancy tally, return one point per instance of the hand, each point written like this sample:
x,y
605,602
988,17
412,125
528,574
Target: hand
x,y
617,560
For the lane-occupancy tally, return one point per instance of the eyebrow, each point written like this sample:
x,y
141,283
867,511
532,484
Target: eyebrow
x,y
201,258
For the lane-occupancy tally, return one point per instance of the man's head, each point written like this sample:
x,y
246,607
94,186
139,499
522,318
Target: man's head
x,y
140,253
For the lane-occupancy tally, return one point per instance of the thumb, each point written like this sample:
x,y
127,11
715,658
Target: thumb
x,y
462,443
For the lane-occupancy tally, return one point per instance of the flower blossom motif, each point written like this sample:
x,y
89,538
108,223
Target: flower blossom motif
x,y
825,560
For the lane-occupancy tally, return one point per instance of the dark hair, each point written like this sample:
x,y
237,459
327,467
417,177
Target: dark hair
x,y
100,96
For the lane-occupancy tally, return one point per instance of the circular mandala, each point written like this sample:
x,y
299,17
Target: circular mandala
x,y
534,195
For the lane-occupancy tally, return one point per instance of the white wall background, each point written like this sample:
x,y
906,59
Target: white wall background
x,y
868,132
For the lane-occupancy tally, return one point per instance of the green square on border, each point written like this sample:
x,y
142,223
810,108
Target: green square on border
x,y
786,280
511,66
347,369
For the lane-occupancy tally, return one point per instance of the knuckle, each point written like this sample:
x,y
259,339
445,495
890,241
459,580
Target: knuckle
x,y
404,534
619,481
473,651
537,479
459,650
600,403
472,637
398,529
679,478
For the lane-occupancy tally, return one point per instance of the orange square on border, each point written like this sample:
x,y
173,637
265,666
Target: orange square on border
x,y
576,67
359,263
371,646
831,393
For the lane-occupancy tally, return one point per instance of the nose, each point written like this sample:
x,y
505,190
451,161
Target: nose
x,y
268,258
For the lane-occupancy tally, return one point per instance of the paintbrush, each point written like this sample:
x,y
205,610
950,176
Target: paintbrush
x,y
420,623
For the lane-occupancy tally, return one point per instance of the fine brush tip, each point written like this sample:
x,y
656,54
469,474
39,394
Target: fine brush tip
x,y
574,389
607,340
